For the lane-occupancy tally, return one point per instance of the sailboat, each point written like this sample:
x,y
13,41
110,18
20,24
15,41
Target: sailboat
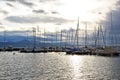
x,y
77,49
105,50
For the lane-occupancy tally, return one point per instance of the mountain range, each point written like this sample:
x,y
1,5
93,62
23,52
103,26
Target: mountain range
x,y
23,41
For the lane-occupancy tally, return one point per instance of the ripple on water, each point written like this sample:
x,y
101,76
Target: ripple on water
x,y
53,66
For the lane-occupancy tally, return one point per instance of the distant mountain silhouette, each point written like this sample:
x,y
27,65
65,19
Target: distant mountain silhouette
x,y
22,41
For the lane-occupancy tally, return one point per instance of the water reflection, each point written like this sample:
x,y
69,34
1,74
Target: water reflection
x,y
53,66
76,63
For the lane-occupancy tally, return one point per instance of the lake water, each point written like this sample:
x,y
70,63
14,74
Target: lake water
x,y
57,66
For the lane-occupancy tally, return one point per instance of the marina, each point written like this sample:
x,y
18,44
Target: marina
x,y
59,40
68,42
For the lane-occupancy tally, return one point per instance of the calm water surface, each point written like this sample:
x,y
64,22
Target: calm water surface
x,y
57,66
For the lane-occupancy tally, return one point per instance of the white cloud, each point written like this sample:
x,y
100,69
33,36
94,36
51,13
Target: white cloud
x,y
37,12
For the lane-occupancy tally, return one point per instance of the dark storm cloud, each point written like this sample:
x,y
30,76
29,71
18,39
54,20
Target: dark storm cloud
x,y
9,4
44,19
39,11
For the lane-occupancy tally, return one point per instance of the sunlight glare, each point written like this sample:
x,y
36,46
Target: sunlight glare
x,y
76,62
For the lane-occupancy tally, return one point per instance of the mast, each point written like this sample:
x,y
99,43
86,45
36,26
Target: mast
x,y
97,37
4,39
61,38
44,38
72,37
56,37
40,38
77,31
85,34
112,41
66,39
39,33
104,42
27,38
34,38
61,41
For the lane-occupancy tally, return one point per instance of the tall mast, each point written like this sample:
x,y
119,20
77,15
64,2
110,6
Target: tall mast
x,y
77,31
72,37
44,37
34,38
39,33
4,39
61,38
104,42
27,38
112,42
85,34
97,37
56,36
68,38
40,38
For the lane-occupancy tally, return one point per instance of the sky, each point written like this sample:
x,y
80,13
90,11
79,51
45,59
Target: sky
x,y
52,15
49,14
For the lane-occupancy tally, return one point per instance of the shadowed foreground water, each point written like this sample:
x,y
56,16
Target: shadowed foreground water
x,y
57,66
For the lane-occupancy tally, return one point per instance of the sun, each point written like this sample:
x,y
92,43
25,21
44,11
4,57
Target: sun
x,y
87,10
71,9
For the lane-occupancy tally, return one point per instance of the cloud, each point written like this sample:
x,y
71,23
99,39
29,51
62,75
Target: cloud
x,y
51,2
0,23
24,2
46,0
115,21
54,12
4,12
39,11
9,4
1,26
42,19
118,3
10,0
